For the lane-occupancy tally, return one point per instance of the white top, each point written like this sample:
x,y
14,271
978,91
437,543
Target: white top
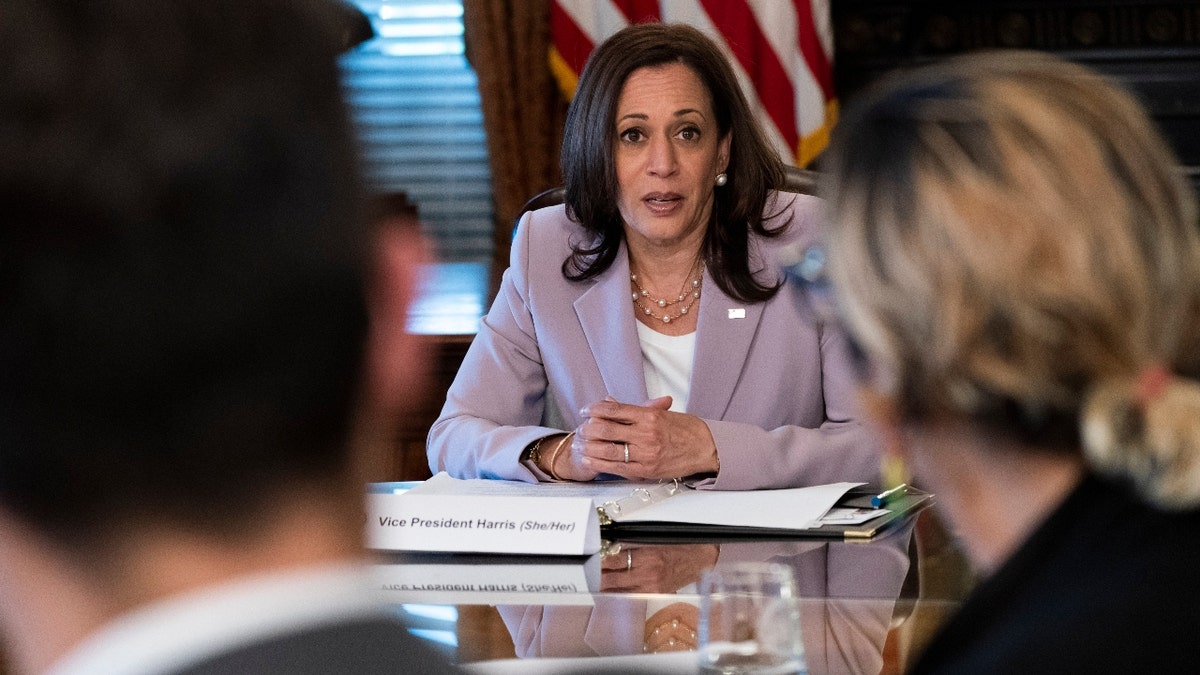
x,y
667,364
179,631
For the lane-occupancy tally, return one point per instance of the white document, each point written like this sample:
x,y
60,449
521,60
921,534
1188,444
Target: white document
x,y
790,509
851,516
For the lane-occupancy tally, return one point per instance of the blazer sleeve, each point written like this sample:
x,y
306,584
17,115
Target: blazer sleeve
x,y
495,405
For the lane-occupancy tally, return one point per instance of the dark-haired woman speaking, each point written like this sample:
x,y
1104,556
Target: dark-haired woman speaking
x,y
645,330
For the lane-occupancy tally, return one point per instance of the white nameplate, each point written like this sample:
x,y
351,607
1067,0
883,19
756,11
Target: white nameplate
x,y
413,521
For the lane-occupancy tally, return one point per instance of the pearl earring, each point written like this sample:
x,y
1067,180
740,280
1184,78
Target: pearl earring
x,y
722,179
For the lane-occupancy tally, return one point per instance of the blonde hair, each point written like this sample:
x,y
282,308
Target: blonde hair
x,y
1013,244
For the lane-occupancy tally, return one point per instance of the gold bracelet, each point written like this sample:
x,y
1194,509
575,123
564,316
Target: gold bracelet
x,y
533,455
554,456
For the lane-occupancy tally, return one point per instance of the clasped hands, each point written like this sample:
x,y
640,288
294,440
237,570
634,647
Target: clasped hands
x,y
639,442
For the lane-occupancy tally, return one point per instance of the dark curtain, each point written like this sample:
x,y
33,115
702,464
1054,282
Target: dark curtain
x,y
508,43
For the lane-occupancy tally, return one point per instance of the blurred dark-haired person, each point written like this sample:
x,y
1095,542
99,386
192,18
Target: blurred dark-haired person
x,y
644,330
184,329
1017,253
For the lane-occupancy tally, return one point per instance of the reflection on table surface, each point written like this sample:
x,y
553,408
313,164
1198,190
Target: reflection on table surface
x,y
866,607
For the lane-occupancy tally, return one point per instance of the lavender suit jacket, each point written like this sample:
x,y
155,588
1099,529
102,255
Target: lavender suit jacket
x,y
774,385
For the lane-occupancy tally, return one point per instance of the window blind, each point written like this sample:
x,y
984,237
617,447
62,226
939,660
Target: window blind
x,y
415,102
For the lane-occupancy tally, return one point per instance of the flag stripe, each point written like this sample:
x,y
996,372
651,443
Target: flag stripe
x,y
811,48
780,52
596,18
745,39
639,11
570,41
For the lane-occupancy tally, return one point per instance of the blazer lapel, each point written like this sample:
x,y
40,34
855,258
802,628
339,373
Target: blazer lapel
x,y
609,327
723,337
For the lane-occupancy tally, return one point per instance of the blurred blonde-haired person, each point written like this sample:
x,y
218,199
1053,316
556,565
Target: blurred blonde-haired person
x,y
1017,255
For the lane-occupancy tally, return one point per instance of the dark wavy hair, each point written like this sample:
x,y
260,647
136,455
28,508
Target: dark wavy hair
x,y
589,170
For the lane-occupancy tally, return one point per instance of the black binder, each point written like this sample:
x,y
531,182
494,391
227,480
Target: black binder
x,y
912,502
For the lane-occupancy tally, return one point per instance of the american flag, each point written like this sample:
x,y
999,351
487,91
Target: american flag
x,y
781,50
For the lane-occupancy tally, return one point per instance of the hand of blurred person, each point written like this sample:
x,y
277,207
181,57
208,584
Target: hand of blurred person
x,y
396,359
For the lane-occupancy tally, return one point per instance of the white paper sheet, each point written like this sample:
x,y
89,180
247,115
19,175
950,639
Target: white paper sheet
x,y
793,508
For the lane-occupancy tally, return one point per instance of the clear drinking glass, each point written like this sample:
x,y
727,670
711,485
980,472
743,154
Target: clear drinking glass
x,y
750,621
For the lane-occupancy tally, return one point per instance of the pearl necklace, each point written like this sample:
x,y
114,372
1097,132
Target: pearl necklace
x,y
642,299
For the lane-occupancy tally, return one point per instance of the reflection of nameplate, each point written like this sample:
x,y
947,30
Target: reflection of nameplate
x,y
490,580
428,518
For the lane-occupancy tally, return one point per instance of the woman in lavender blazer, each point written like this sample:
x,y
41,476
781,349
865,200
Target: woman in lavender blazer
x,y
720,370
